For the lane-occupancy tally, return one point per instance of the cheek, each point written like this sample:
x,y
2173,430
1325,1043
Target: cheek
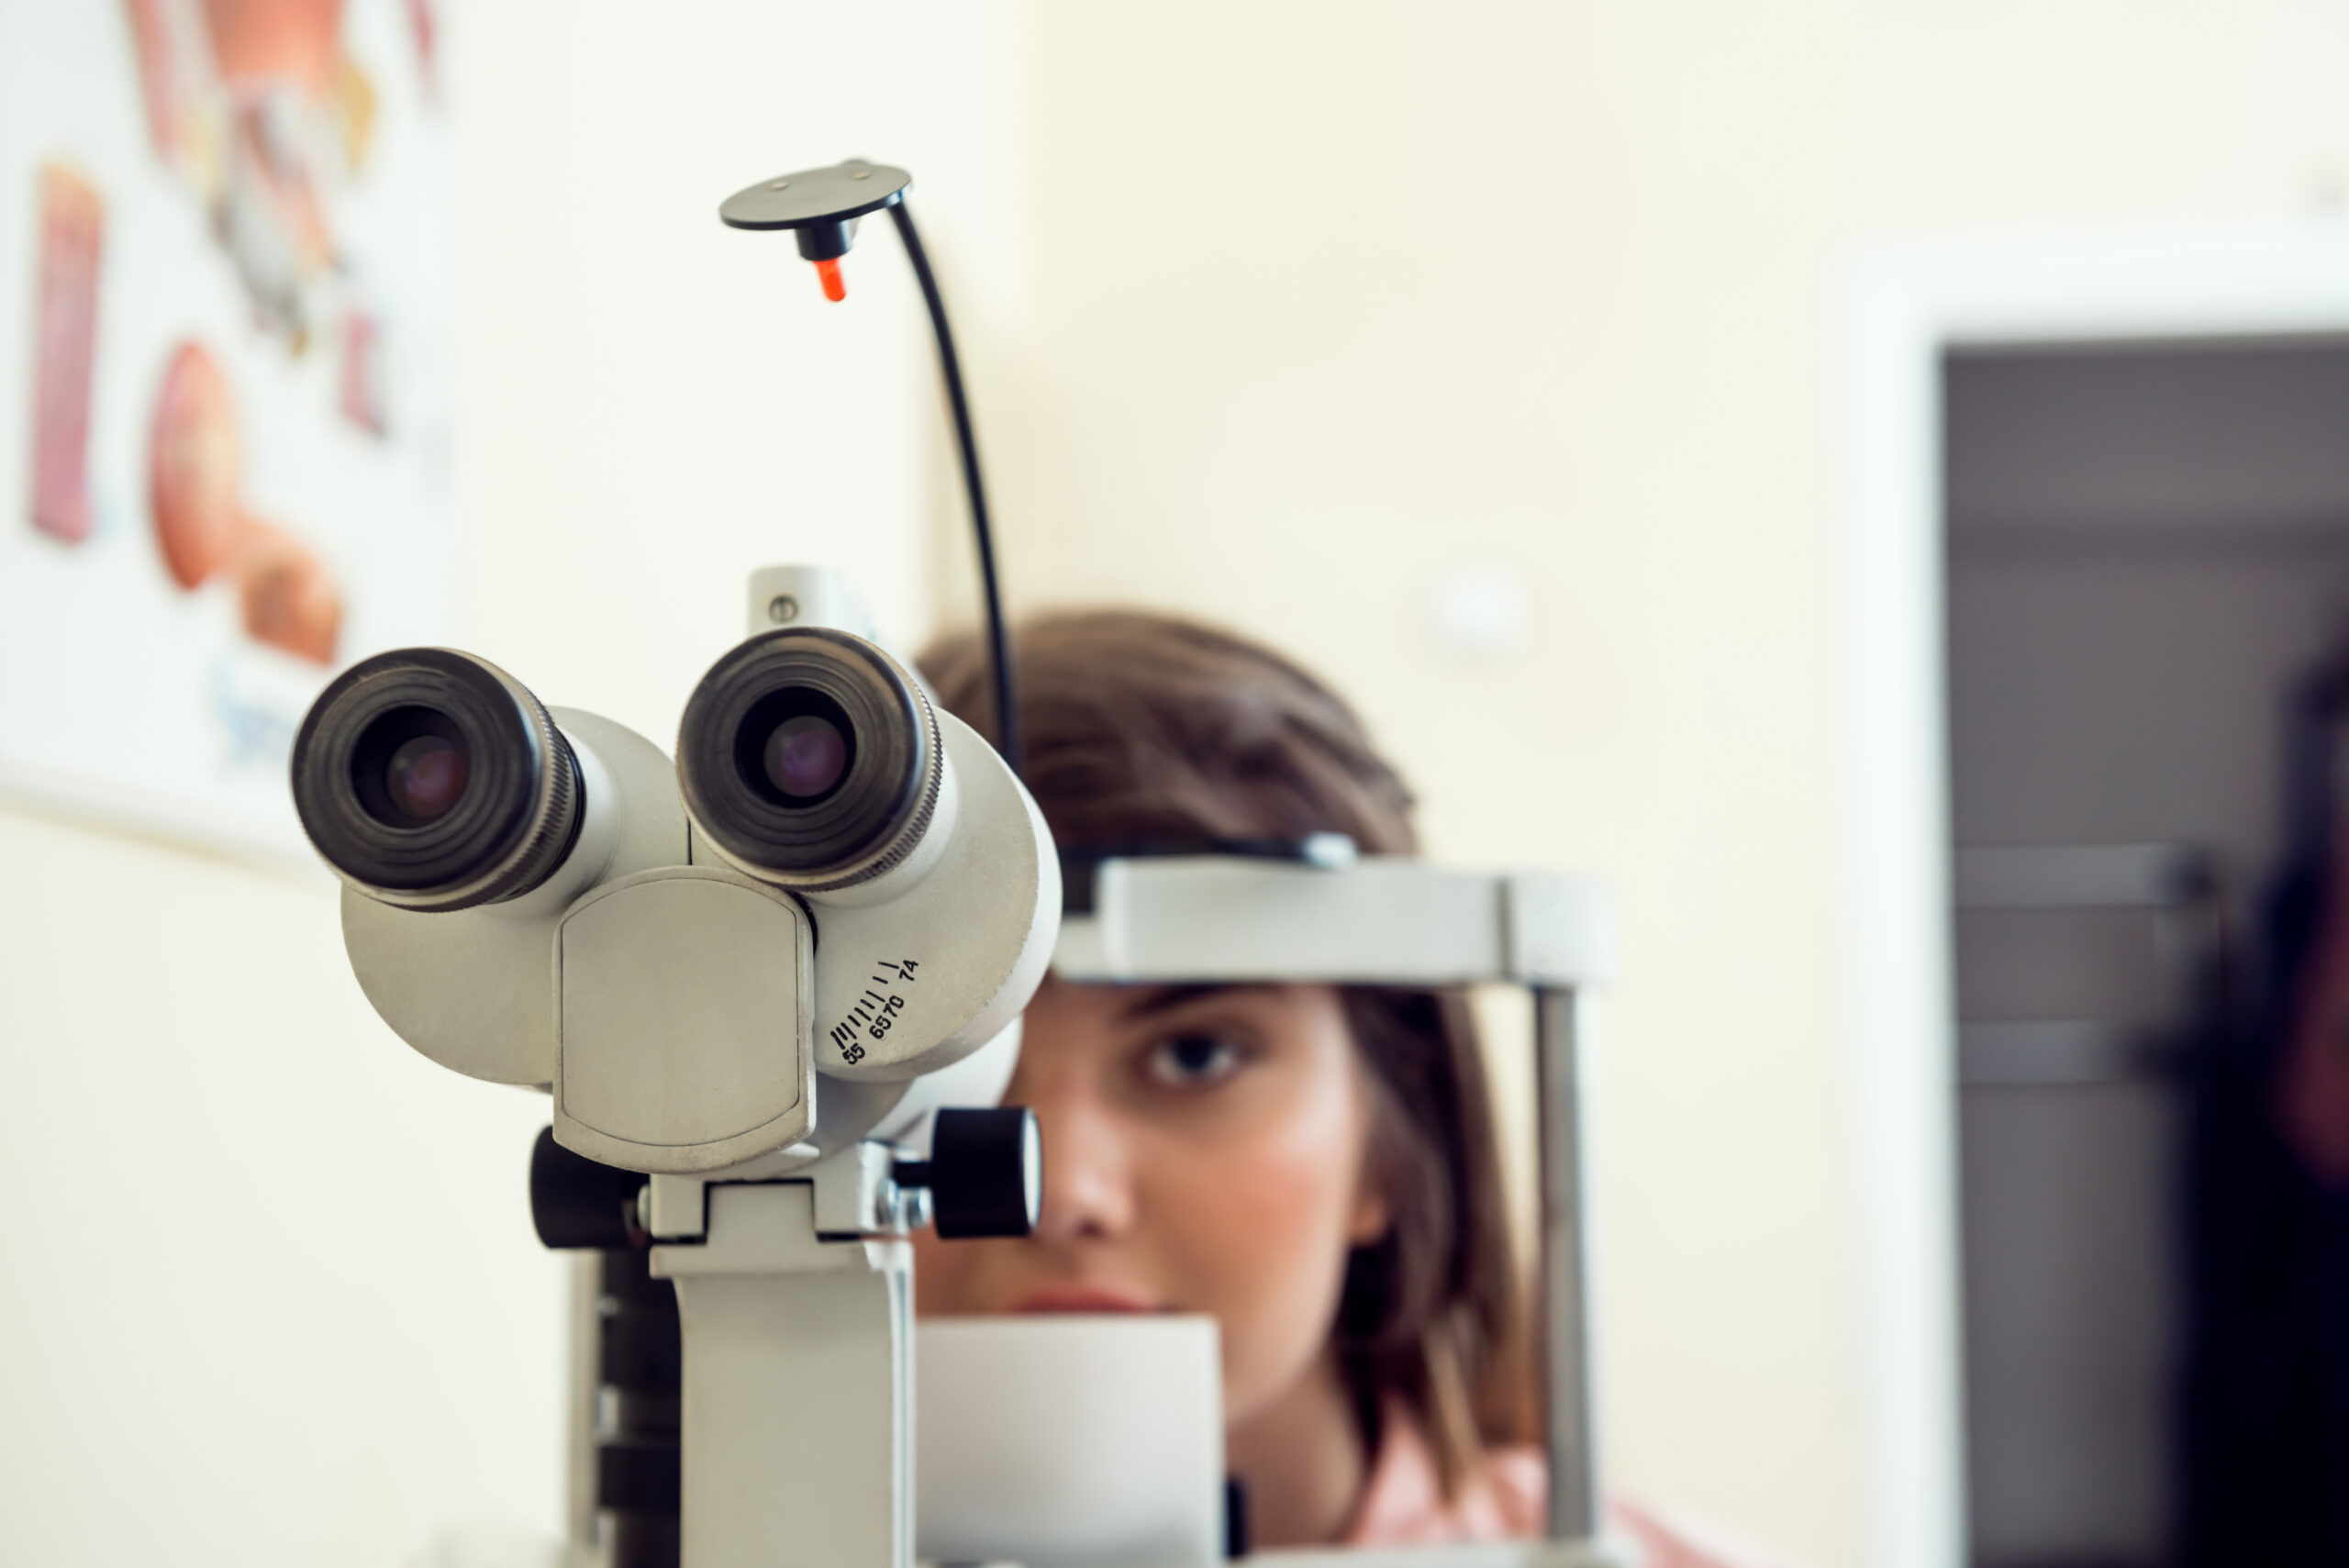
x,y
1255,1232
950,1276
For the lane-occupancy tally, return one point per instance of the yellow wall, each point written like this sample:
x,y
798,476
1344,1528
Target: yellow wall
x,y
1331,298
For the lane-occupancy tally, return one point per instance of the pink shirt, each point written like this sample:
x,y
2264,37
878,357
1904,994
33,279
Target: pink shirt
x,y
1403,1505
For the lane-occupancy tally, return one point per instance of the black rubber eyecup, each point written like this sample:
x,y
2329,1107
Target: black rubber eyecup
x,y
512,819
868,821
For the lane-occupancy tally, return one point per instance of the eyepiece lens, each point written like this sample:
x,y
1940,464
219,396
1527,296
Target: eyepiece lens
x,y
432,781
795,747
805,757
809,758
426,776
410,767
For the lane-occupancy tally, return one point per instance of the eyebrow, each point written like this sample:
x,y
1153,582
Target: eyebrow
x,y
1160,999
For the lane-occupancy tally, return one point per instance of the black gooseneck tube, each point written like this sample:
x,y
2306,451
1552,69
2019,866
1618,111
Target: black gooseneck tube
x,y
1007,713
821,206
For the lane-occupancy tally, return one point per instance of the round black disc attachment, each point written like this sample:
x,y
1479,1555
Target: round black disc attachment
x,y
985,1172
578,1203
820,202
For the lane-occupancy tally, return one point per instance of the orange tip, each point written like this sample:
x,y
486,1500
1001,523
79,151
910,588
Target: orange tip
x,y
829,271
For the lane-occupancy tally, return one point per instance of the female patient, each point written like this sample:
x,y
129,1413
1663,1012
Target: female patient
x,y
1312,1165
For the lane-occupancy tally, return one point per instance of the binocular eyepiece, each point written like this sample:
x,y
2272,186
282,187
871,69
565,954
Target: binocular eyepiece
x,y
810,758
431,780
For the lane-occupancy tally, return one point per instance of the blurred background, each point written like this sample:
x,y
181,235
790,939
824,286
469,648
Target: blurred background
x,y
1872,482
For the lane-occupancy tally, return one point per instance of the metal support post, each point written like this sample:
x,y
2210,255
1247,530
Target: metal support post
x,y
1570,1414
797,1425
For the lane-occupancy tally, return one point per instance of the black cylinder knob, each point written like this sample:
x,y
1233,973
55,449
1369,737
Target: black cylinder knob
x,y
985,1172
577,1203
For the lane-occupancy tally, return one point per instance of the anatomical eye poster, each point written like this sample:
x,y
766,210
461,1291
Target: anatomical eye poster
x,y
226,248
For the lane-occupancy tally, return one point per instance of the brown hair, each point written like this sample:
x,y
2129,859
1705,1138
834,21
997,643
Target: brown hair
x,y
1146,729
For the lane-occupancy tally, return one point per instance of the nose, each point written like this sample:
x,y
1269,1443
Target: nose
x,y
1088,1166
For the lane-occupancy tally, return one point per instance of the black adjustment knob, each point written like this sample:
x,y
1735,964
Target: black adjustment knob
x,y
640,1475
577,1203
985,1172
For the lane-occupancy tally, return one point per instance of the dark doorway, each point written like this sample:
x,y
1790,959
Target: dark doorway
x,y
2148,566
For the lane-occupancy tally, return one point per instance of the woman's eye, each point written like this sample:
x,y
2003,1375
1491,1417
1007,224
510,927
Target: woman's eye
x,y
1193,1061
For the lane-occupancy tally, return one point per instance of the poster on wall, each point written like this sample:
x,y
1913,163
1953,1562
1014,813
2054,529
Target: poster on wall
x,y
227,257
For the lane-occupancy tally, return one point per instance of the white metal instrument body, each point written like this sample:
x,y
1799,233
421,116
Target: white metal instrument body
x,y
768,1057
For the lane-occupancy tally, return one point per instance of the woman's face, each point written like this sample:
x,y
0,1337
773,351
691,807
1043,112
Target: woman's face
x,y
1204,1152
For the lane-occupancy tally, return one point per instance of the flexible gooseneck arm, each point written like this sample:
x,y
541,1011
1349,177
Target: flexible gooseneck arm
x,y
1007,710
821,207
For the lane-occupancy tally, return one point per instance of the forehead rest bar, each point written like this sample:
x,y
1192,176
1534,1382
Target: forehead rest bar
x,y
1378,920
